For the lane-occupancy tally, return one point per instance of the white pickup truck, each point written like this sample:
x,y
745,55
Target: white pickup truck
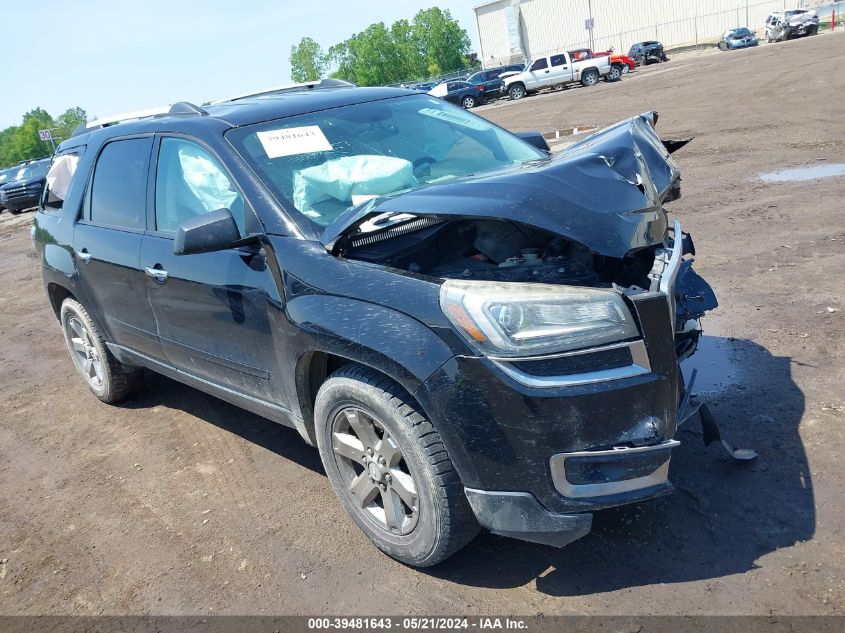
x,y
554,70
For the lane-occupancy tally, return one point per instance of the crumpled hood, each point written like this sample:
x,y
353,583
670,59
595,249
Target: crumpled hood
x,y
605,192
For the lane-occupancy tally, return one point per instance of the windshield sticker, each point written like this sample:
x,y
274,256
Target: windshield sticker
x,y
458,118
294,140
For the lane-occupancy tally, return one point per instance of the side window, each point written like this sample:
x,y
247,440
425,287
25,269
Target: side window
x,y
493,74
540,64
59,178
189,182
558,60
119,190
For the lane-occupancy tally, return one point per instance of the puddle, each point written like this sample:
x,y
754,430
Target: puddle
x,y
804,173
569,131
717,363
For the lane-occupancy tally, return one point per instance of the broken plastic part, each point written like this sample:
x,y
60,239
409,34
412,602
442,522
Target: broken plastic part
x,y
710,431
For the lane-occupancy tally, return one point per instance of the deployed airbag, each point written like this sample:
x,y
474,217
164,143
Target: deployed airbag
x,y
344,179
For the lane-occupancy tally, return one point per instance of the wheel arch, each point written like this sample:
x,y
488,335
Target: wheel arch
x,y
57,293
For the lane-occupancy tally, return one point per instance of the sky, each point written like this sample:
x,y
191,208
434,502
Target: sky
x,y
113,56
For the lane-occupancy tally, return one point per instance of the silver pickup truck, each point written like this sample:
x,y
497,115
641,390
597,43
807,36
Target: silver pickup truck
x,y
554,70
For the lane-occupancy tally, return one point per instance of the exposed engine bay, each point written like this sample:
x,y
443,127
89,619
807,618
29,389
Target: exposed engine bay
x,y
496,250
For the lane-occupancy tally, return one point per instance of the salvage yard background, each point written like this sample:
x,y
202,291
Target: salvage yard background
x,y
177,503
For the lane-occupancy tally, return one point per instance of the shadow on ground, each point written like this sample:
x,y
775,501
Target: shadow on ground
x,y
723,516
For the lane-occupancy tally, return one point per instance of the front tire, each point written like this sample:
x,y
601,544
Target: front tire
x,y
589,77
626,69
390,469
615,73
468,102
516,92
106,377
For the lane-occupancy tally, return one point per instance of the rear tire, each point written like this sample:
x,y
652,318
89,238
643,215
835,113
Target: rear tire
x,y
468,102
106,377
390,469
589,77
15,211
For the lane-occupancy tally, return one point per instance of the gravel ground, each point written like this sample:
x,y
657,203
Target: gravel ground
x,y
176,503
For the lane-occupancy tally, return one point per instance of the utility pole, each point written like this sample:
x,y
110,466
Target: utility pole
x,y
590,22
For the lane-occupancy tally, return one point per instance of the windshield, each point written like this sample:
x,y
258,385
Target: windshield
x,y
36,170
741,33
324,162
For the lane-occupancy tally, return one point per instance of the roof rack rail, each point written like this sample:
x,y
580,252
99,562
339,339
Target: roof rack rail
x,y
305,85
180,108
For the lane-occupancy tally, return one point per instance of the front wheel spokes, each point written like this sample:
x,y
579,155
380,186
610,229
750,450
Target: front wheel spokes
x,y
363,489
403,485
348,446
394,511
362,427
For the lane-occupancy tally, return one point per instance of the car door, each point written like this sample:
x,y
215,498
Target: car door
x,y
107,245
212,310
538,74
454,92
560,69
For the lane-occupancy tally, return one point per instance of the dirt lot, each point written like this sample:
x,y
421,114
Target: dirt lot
x,y
178,503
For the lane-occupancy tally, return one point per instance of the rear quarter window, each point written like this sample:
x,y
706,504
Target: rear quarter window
x,y
119,189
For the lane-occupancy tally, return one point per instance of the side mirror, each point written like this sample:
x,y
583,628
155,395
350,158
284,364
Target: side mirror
x,y
534,138
206,233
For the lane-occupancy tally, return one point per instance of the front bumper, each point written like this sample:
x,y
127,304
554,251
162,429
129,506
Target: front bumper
x,y
735,44
538,451
21,201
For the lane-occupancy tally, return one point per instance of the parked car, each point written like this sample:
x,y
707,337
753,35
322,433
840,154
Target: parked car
x,y
626,63
460,93
647,53
472,332
24,190
7,175
787,25
617,66
554,70
741,37
490,79
423,87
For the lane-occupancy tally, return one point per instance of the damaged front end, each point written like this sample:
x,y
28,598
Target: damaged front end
x,y
576,298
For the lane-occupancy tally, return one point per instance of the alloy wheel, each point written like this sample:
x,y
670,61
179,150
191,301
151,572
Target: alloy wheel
x,y
469,102
374,471
84,352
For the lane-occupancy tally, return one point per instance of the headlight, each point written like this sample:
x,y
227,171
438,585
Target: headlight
x,y
513,319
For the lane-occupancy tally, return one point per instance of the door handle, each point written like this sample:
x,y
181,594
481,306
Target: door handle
x,y
159,274
83,255
547,72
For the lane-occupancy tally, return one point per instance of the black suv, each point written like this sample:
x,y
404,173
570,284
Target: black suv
x,y
471,331
24,190
491,80
647,53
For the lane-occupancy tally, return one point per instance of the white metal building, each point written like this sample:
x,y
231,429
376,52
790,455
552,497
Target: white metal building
x,y
510,30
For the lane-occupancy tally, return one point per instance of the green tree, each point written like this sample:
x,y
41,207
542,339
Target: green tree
x,y
68,121
25,143
432,43
21,142
307,61
411,58
444,44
